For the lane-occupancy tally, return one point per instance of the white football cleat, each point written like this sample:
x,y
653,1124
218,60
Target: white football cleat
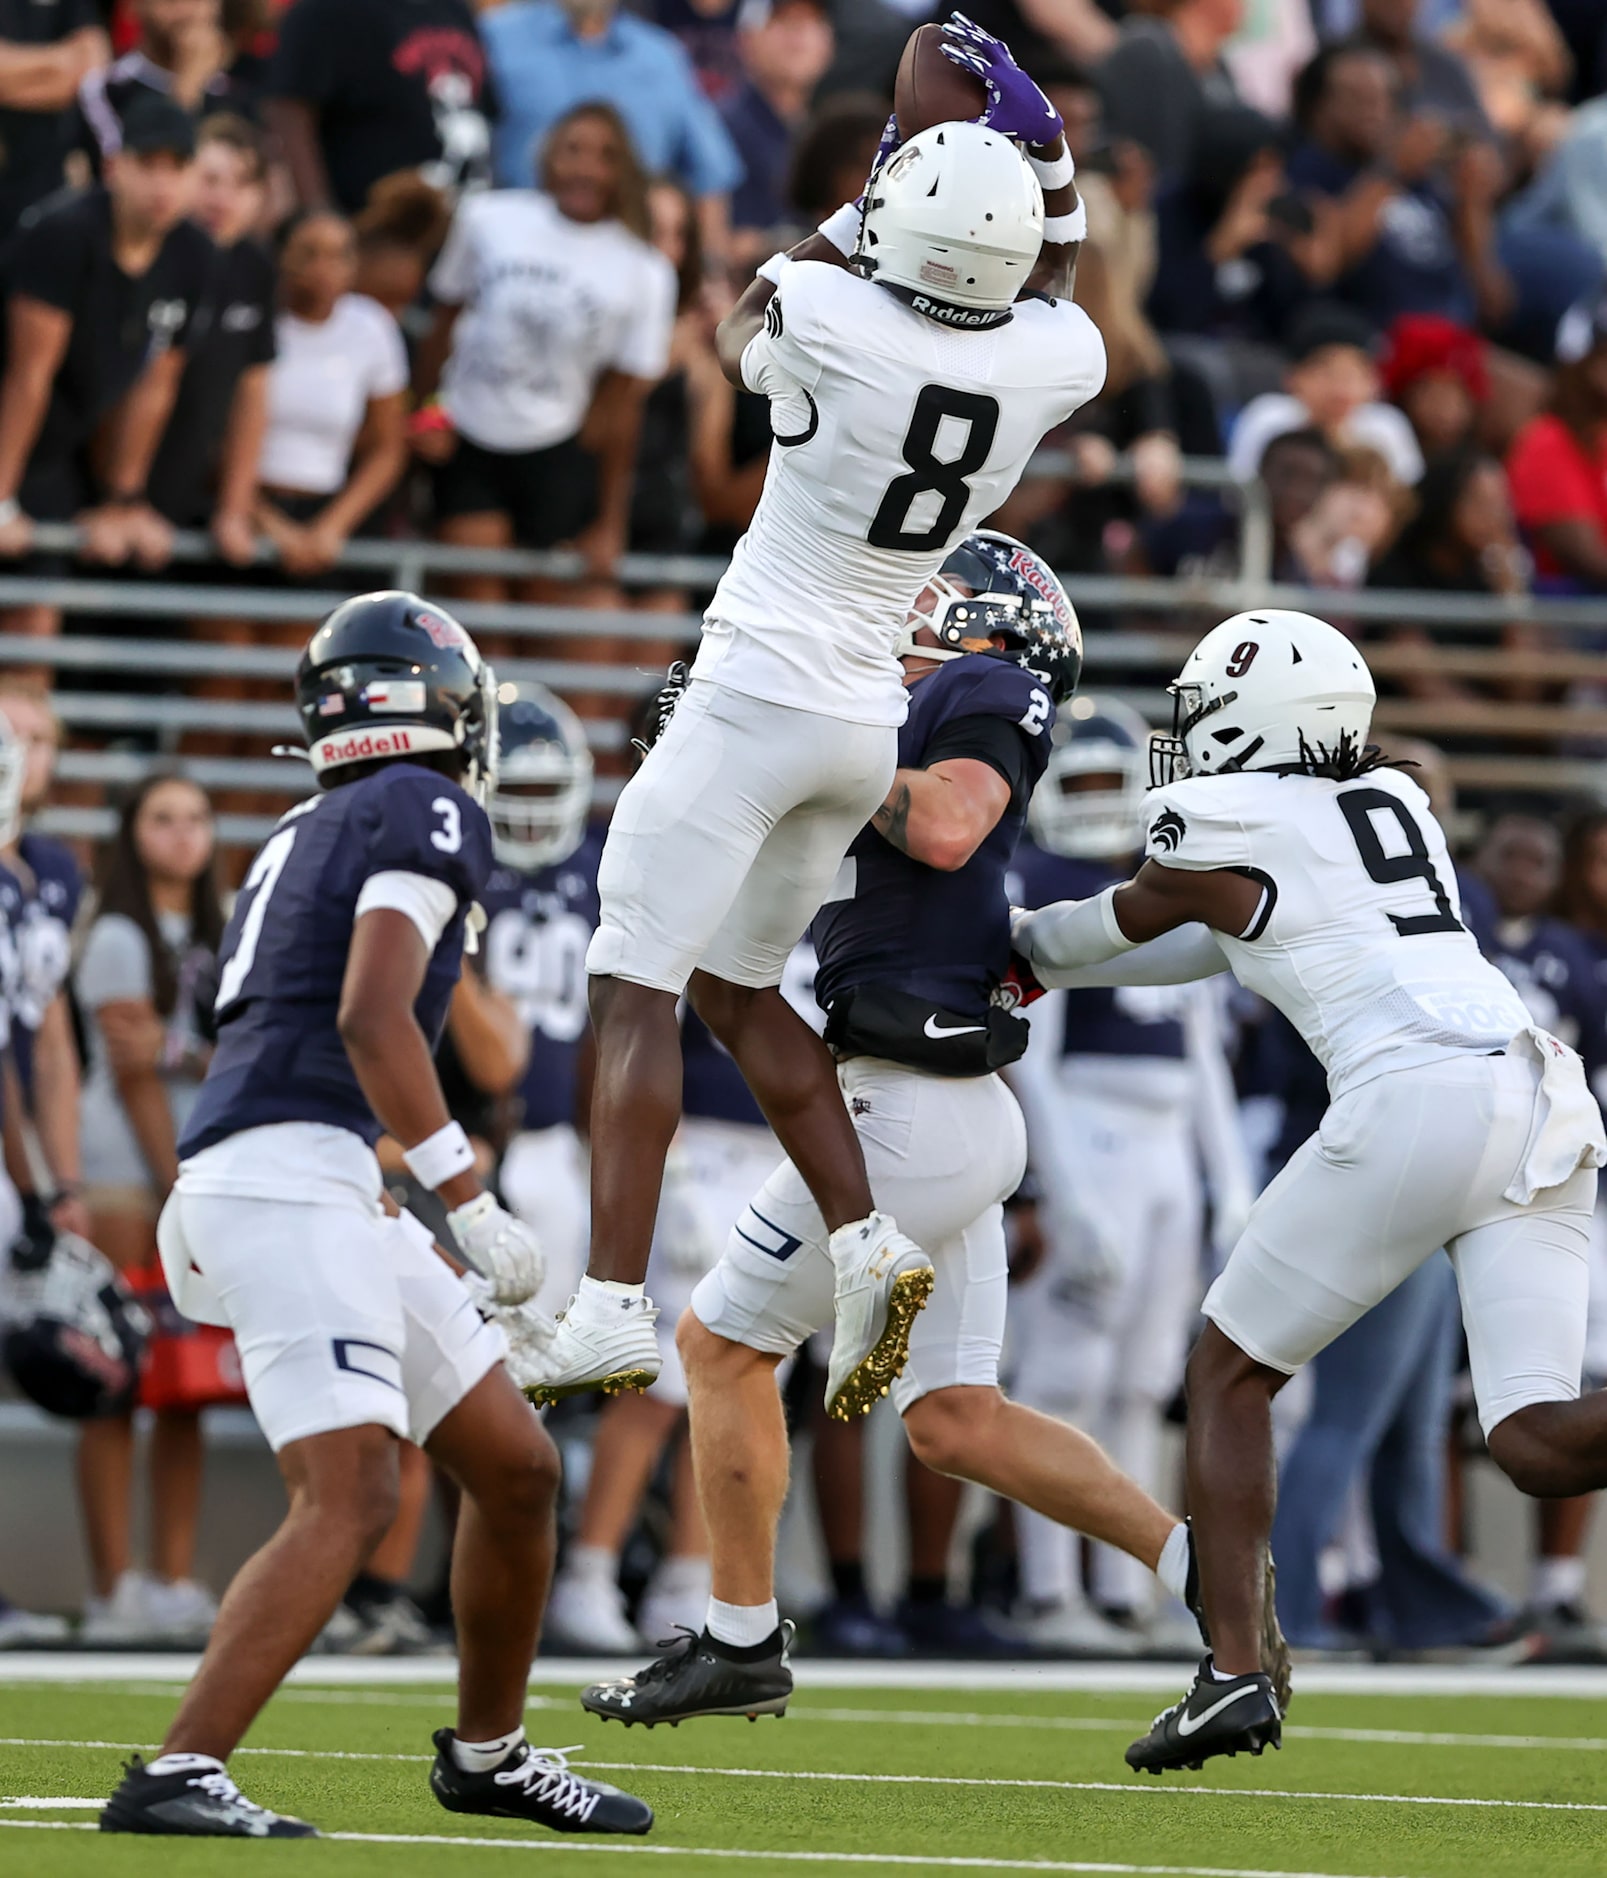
x,y
1073,1629
883,1281
607,1343
587,1612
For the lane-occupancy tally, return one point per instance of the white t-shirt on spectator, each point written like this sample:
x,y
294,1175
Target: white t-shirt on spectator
x,y
319,388
1379,427
548,306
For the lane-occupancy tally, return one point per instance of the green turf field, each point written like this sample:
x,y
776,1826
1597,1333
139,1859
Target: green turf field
x,y
863,1780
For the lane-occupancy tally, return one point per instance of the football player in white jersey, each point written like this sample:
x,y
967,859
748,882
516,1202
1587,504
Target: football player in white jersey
x,y
914,353
1283,845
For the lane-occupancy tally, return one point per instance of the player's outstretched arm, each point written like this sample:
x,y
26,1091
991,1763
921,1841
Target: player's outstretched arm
x,y
1076,934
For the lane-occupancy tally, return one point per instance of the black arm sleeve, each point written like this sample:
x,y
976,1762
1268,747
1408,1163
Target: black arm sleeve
x,y
995,741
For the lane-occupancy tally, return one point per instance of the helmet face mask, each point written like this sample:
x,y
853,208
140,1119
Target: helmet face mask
x,y
1090,802
992,586
542,794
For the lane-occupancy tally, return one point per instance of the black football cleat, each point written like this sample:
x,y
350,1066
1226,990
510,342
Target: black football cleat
x,y
699,1675
535,1784
1237,1717
198,1802
1275,1661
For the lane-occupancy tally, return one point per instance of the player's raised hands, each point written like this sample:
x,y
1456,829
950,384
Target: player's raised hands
x,y
502,1249
1017,106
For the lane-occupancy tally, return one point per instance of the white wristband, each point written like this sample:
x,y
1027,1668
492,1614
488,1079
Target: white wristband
x,y
841,227
1053,172
771,269
10,511
1062,229
438,1157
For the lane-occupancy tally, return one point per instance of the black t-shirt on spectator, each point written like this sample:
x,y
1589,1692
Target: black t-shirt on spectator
x,y
62,255
232,332
34,144
105,95
395,85
1153,96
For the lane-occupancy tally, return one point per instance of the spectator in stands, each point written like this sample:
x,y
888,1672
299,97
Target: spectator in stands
x,y
786,46
707,30
1407,243
1045,35
182,53
549,56
1518,60
101,292
46,52
833,155
1437,372
1332,383
1353,521
143,987
205,473
1558,464
1571,190
399,235
1166,76
1299,469
543,367
336,441
359,89
1432,78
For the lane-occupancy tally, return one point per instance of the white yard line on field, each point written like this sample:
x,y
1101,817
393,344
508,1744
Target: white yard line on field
x,y
1156,1789
567,1844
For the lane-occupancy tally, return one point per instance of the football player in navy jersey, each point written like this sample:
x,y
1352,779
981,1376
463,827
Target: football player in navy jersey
x,y
1123,1091
541,911
336,972
40,886
914,946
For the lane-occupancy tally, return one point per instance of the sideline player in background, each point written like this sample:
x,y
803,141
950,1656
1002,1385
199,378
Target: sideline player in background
x,y
1126,1092
1282,844
336,972
909,383
913,944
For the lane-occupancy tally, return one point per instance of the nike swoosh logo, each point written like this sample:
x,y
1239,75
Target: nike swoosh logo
x,y
1192,1724
935,1030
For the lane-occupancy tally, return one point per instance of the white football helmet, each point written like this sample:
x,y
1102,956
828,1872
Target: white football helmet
x,y
542,794
953,223
1263,690
1093,738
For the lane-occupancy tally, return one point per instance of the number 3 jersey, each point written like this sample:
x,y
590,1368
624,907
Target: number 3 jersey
x,y
279,1055
1359,940
894,438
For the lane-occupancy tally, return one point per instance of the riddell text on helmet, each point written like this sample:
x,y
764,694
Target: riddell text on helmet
x,y
363,744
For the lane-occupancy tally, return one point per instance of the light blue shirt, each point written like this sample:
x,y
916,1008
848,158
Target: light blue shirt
x,y
542,68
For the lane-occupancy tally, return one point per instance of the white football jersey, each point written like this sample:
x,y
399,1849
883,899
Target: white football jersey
x,y
1359,941
895,437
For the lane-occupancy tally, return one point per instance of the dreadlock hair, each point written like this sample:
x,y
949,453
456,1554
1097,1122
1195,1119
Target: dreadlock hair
x,y
1343,761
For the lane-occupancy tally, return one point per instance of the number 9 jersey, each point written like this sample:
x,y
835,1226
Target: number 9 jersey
x,y
894,437
402,836
1358,939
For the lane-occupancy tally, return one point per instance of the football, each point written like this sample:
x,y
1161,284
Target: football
x,y
930,89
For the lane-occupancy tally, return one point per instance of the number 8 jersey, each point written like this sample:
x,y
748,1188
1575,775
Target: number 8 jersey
x,y
894,437
1359,939
401,836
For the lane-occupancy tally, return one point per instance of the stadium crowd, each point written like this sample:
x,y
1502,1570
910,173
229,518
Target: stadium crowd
x,y
404,268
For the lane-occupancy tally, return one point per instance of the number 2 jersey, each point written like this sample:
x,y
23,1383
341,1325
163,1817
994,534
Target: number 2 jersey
x,y
1359,939
279,1055
894,438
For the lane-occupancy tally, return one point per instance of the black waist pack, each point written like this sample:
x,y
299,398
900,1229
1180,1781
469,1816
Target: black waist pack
x,y
877,1020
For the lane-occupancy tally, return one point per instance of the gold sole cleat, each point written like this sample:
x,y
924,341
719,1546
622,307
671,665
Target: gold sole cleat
x,y
871,1380
626,1381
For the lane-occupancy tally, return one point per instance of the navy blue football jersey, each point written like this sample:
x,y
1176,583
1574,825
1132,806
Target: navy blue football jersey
x,y
538,928
38,903
279,1055
1554,971
893,920
1136,1020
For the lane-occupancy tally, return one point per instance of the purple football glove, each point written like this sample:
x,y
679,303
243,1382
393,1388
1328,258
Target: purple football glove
x,y
892,140
1016,106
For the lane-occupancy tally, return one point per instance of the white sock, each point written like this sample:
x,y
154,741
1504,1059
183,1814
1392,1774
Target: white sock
x,y
592,1561
603,1297
1172,1567
184,1764
1555,1581
1221,1675
479,1757
742,1625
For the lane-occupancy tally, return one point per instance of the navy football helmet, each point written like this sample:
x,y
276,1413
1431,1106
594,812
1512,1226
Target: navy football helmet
x,y
391,675
542,794
1090,802
993,584
72,1333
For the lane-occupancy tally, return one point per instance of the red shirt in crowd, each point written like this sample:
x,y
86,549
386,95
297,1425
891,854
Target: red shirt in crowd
x,y
1555,479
